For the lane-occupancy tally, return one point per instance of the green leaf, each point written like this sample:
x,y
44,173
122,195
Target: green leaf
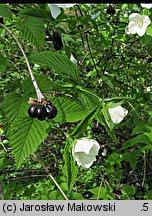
x,y
44,84
15,106
5,11
129,190
149,31
132,159
107,117
70,166
69,110
38,12
140,139
88,98
25,136
33,30
59,63
138,129
104,118
83,124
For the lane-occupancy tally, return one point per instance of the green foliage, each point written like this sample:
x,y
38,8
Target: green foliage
x,y
25,136
70,166
68,109
142,133
83,124
15,106
5,11
59,63
33,30
37,12
87,98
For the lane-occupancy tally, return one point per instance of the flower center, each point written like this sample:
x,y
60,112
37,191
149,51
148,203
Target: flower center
x,y
140,23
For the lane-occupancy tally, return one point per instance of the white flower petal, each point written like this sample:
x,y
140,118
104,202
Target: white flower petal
x,y
73,59
84,152
132,28
84,160
85,145
117,114
146,20
141,31
65,5
148,6
133,16
55,10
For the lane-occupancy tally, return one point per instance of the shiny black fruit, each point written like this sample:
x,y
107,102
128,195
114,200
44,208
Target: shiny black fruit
x,y
57,41
40,112
51,111
1,20
31,111
110,10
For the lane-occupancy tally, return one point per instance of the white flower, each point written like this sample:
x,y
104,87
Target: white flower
x,y
148,6
85,151
55,8
104,153
117,114
138,24
148,89
73,59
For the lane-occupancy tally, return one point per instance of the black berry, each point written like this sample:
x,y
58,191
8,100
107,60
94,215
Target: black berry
x,y
149,60
31,111
1,20
40,112
51,111
81,26
110,10
57,41
87,194
96,130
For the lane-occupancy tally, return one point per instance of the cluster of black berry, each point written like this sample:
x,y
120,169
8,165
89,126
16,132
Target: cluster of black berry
x,y
42,111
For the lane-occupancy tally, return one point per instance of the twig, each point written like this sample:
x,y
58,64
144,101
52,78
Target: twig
x,y
4,147
88,44
48,172
144,174
38,92
82,39
98,195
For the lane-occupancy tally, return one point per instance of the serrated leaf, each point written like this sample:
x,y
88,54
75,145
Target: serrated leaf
x,y
59,63
38,12
88,98
33,30
69,110
83,124
44,84
25,136
15,106
5,11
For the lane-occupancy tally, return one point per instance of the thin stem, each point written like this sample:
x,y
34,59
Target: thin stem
x,y
98,195
38,92
144,174
48,172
